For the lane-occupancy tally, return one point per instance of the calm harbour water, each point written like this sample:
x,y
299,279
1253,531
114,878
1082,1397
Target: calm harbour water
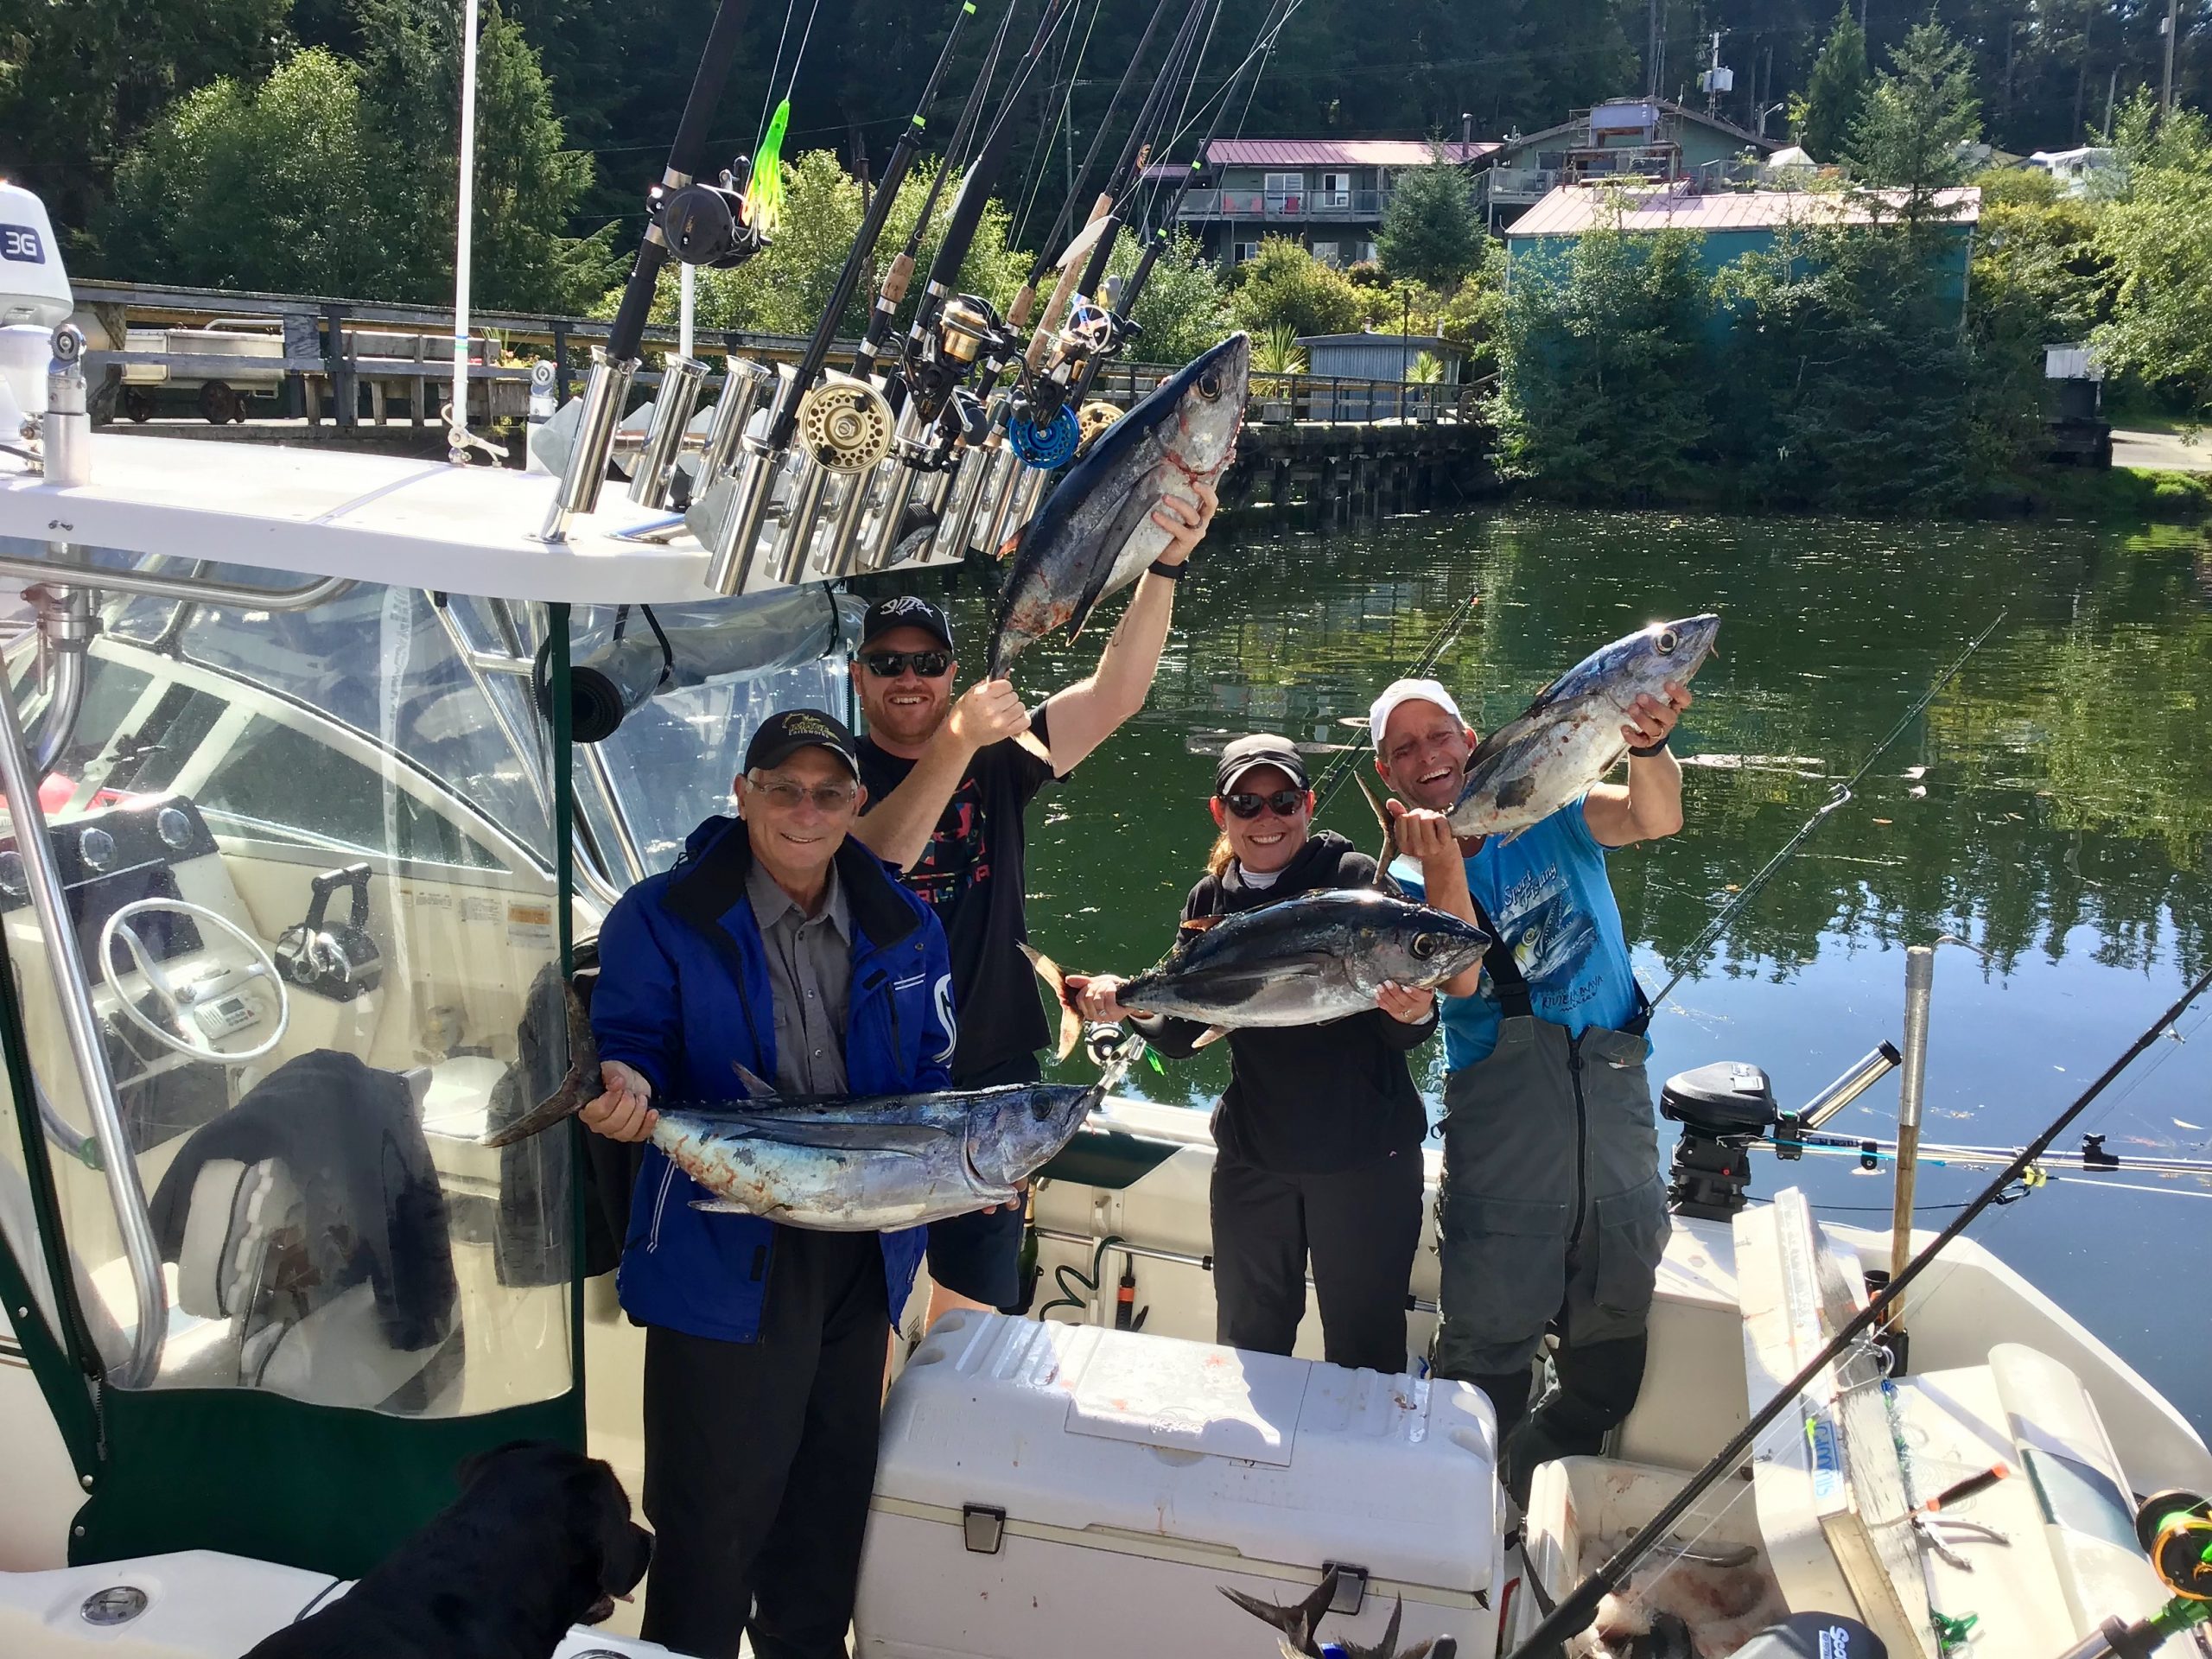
x,y
2062,823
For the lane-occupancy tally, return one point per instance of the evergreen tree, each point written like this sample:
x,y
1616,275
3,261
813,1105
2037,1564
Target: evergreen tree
x,y
1429,233
1836,92
1917,115
279,187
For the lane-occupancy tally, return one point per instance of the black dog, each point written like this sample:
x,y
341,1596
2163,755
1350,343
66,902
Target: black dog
x,y
539,1539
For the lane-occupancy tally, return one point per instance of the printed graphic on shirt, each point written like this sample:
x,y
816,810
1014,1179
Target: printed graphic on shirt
x,y
957,858
1552,941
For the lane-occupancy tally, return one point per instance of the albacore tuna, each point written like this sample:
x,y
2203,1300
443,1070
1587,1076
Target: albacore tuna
x,y
1094,534
1318,957
845,1163
1570,736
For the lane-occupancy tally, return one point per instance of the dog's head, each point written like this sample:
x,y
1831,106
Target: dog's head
x,y
605,1552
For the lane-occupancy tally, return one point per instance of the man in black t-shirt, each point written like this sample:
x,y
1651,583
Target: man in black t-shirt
x,y
948,779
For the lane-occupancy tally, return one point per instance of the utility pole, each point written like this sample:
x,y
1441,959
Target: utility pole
x,y
2166,90
1651,54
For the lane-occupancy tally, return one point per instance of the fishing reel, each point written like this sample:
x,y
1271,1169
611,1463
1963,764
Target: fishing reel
x,y
1047,444
2175,1529
704,223
1095,417
946,354
846,424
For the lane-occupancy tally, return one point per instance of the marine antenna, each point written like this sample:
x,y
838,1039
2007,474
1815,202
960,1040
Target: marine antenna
x,y
1578,1607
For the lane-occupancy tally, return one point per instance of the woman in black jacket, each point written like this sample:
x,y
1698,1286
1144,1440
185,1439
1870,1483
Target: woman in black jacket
x,y
1318,1137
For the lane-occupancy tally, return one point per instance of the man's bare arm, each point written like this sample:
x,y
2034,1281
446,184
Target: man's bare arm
x,y
1649,806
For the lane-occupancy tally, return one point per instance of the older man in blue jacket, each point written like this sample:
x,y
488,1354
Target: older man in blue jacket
x,y
778,944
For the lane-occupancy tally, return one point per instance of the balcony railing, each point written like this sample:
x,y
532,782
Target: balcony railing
x,y
1307,205
1523,183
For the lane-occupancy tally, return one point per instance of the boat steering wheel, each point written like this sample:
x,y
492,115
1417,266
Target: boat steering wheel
x,y
182,1000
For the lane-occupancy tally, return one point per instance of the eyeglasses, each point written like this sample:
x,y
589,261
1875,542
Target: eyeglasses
x,y
1283,802
828,798
890,664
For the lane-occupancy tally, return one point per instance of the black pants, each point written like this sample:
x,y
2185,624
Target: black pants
x,y
1361,1227
761,1457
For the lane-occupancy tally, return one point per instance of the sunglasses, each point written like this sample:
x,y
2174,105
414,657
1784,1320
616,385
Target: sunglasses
x,y
890,664
1283,802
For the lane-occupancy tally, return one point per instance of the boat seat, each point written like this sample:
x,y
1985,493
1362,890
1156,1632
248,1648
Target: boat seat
x,y
2034,1560
243,1272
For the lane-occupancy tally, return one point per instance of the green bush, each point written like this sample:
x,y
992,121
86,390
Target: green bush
x,y
1287,287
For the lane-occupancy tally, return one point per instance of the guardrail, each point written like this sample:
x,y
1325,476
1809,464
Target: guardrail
x,y
331,351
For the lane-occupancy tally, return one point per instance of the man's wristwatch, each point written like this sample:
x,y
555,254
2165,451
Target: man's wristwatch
x,y
1171,572
1650,749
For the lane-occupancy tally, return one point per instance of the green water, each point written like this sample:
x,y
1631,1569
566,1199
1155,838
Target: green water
x,y
2062,824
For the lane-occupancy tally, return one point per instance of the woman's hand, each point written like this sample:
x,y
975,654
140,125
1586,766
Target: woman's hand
x,y
1096,997
625,1112
1408,1006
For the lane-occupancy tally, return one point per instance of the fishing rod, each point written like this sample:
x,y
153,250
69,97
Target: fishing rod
x,y
1575,1611
949,332
701,224
1341,768
1694,951
1120,325
800,388
901,272
1052,238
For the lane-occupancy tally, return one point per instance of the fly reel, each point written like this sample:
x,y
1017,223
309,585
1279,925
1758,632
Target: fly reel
x,y
1096,417
845,425
1049,444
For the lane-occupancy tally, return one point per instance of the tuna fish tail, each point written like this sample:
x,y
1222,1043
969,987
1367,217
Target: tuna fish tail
x,y
1070,1022
582,1085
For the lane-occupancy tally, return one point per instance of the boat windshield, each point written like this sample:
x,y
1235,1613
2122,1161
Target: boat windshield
x,y
304,861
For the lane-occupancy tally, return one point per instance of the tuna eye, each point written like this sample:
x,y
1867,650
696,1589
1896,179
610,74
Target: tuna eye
x,y
1424,946
1668,641
1210,385
1038,1111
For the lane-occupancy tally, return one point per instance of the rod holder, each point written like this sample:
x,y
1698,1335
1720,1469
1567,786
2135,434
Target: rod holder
x,y
840,552
606,390
735,509
1863,1076
1028,494
743,387
950,541
1919,989
894,488
679,396
66,429
997,496
792,546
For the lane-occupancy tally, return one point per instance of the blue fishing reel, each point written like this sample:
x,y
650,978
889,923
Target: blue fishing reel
x,y
1052,444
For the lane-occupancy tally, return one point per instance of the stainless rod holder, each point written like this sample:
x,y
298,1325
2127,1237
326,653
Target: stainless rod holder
x,y
997,496
1028,495
880,537
742,499
968,473
788,560
679,396
839,553
1863,1076
604,394
743,387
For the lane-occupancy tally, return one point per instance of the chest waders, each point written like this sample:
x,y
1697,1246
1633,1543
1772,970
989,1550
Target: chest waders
x,y
1551,1209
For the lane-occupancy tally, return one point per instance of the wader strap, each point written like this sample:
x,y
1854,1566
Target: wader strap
x,y
1504,972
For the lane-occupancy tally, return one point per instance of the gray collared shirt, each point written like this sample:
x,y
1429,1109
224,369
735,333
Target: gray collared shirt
x,y
810,982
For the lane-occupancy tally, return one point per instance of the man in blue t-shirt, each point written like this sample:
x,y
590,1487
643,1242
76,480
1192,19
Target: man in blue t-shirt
x,y
1553,1211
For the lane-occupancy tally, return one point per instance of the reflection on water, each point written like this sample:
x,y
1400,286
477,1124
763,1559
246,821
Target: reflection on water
x,y
2053,807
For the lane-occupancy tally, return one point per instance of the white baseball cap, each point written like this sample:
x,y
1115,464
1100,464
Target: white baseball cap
x,y
1400,691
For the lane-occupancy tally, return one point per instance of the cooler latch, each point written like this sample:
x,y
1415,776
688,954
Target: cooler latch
x,y
1351,1586
982,1528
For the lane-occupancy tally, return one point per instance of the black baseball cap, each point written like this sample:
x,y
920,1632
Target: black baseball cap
x,y
1261,749
905,610
781,736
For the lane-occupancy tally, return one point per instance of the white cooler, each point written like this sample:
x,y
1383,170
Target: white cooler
x,y
1075,1491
